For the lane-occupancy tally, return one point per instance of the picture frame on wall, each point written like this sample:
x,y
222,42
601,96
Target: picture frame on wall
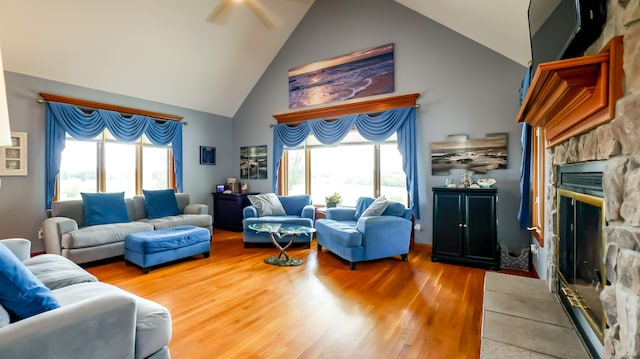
x,y
207,155
13,159
253,162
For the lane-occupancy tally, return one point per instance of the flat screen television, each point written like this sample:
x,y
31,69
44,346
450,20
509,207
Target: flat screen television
x,y
562,29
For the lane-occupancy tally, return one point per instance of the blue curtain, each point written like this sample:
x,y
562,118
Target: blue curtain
x,y
373,128
524,212
64,118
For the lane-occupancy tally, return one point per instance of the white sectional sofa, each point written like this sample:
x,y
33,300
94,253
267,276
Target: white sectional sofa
x,y
93,320
65,233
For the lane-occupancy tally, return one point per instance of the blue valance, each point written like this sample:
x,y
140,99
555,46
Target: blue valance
x,y
64,118
373,128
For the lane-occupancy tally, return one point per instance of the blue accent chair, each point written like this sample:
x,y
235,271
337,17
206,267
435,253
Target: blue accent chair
x,y
299,210
358,239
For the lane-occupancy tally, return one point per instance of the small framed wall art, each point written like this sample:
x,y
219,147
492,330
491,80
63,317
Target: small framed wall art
x,y
207,155
13,159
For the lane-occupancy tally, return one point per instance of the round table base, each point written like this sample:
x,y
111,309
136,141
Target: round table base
x,y
283,262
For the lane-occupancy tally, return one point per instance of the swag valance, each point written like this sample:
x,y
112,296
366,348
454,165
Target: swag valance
x,y
373,128
64,118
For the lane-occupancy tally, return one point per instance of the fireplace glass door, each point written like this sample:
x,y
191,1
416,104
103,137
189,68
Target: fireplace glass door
x,y
582,273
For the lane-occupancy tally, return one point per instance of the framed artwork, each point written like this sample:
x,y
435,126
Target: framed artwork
x,y
13,159
478,155
362,73
253,162
207,155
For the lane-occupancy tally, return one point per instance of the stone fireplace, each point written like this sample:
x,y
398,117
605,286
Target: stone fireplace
x,y
617,145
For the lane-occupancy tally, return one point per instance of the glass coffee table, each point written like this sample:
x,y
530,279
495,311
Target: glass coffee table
x,y
278,231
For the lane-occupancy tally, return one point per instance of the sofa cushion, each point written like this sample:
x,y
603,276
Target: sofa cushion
x,y
4,317
103,208
344,233
153,321
395,209
21,293
294,204
55,271
160,203
376,208
102,234
267,204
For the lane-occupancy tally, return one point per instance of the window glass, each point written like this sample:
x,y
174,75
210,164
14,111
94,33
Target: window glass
x,y
346,169
154,167
393,182
78,169
296,171
120,168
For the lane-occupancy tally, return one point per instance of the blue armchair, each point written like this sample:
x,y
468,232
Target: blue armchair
x,y
299,210
355,239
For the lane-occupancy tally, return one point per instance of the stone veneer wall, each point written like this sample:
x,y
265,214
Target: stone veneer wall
x,y
617,142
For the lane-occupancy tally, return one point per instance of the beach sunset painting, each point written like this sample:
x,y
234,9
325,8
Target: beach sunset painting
x,y
362,73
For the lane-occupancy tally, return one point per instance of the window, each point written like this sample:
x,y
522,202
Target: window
x,y
104,164
353,168
537,184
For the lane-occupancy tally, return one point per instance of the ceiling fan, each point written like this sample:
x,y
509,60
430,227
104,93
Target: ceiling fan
x,y
255,6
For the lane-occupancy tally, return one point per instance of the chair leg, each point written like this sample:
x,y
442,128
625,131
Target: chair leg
x,y
206,254
404,257
352,265
319,247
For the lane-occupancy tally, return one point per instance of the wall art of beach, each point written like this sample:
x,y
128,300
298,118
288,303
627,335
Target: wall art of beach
x,y
479,155
362,73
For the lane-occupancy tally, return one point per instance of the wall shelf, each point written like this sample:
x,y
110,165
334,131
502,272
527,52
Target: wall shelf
x,y
570,97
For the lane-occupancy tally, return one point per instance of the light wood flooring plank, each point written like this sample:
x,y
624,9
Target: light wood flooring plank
x,y
233,305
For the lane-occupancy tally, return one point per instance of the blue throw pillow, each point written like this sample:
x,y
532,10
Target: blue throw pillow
x,y
21,292
103,208
160,203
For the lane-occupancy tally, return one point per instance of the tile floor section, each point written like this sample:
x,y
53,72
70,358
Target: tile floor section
x,y
522,319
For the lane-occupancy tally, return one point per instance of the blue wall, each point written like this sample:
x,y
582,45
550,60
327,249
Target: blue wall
x,y
464,88
22,198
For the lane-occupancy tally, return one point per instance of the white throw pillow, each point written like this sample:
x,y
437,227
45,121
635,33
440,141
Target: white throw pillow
x,y
267,204
376,208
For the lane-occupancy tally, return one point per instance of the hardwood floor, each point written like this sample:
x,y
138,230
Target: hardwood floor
x,y
233,305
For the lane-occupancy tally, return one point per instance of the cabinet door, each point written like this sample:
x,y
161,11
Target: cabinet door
x,y
447,221
481,232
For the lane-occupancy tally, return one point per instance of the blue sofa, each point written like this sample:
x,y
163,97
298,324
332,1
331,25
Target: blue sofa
x,y
299,210
358,239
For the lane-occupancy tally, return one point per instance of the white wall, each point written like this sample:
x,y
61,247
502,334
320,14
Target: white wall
x,y
464,88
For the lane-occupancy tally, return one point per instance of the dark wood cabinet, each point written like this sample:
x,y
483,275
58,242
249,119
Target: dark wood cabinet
x,y
465,228
227,210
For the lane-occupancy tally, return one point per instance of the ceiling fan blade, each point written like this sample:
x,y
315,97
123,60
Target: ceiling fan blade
x,y
260,12
222,5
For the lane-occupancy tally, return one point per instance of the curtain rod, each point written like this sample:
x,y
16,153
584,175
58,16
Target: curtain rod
x,y
91,105
366,113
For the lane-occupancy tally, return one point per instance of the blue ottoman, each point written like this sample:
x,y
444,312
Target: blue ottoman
x,y
151,248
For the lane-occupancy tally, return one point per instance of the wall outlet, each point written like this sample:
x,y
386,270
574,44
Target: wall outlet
x,y
417,227
40,234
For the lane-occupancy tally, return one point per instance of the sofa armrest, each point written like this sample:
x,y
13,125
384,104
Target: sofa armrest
x,y
100,327
341,214
196,208
53,228
19,246
309,211
249,212
387,230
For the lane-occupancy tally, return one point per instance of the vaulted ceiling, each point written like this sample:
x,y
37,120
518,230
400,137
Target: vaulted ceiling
x,y
166,50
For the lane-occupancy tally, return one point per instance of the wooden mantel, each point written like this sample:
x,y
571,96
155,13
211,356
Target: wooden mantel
x,y
570,97
330,112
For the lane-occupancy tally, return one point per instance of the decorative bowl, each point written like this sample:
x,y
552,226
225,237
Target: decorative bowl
x,y
486,182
